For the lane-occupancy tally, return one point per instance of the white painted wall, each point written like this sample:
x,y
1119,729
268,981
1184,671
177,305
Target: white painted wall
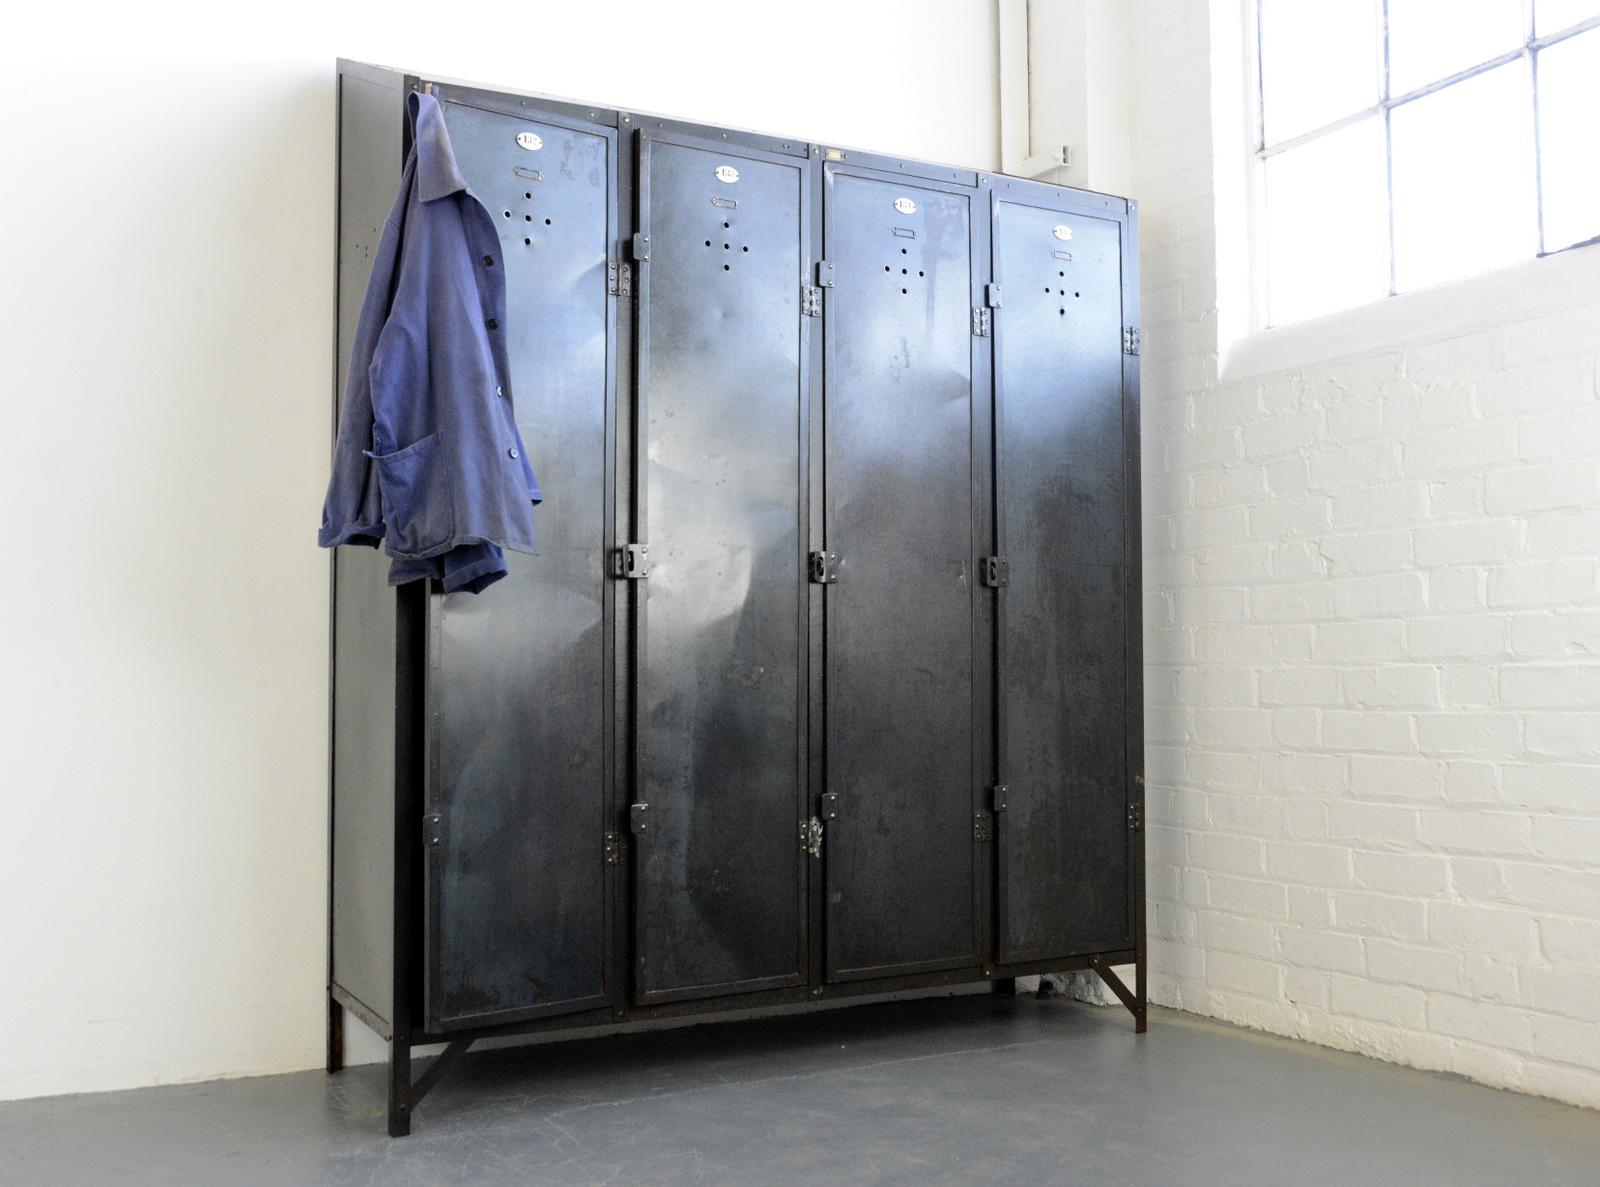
x,y
165,319
1373,629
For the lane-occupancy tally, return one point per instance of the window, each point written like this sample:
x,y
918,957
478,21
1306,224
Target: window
x,y
1406,142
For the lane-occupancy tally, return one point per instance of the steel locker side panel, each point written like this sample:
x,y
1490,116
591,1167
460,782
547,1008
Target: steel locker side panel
x,y
720,881
519,685
900,855
1063,506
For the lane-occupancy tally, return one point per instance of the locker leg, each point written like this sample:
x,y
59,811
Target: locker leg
x,y
335,1036
1133,999
399,1086
1004,985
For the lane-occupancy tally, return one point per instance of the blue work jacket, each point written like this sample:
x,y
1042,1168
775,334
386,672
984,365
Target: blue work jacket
x,y
428,461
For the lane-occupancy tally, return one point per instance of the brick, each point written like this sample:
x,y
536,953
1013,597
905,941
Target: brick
x,y
1322,950
1288,518
1361,641
1572,992
1458,636
1564,1039
1398,1005
1236,644
1385,595
1244,896
1570,633
1359,465
1315,773
1467,782
1295,728
1541,488
1490,930
1299,561
1256,978
1570,941
1402,873
1378,825
1262,815
1232,855
1486,735
1488,1023
1560,533
1203,604
1384,915
1211,768
1233,933
1476,831
1564,735
1291,603
1314,865
1396,686
1301,686
1452,358
1462,685
1199,529
1306,989
1239,728
1542,886
1551,686
1543,583
1367,730
1464,543
1532,389
1571,432
1456,498
1457,589
1458,450
1368,552
1407,964
1401,777
1552,785
1286,434
1214,686
1242,562
1491,980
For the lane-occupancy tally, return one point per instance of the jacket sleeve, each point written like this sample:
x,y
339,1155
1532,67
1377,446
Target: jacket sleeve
x,y
352,512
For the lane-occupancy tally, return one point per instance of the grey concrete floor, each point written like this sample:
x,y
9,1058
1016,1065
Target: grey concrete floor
x,y
952,1090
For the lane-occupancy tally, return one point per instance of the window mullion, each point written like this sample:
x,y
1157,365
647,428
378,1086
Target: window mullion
x,y
1384,112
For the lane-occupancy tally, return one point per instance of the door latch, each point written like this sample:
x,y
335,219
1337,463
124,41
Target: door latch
x,y
811,837
996,572
638,818
824,568
829,806
633,561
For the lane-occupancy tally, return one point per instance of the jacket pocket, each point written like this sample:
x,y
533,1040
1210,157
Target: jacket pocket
x,y
418,507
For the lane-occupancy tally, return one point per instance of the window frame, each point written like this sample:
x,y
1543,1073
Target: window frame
x,y
1527,52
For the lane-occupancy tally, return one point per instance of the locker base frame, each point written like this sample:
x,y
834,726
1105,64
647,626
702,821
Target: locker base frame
x,y
404,1093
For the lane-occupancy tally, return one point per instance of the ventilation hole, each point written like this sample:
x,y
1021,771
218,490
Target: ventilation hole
x,y
1047,288
724,247
529,194
528,242
724,267
1062,312
1060,273
527,218
508,214
902,251
886,268
744,249
547,222
725,226
903,272
708,243
1077,294
919,272
902,292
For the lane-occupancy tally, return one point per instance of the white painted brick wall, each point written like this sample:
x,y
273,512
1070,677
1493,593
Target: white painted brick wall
x,y
1373,588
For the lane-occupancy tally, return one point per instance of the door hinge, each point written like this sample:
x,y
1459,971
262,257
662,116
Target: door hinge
x,y
641,246
619,279
633,562
433,830
811,837
1135,817
825,568
824,274
980,323
810,301
982,827
613,849
638,818
1130,339
828,805
997,797
991,295
996,571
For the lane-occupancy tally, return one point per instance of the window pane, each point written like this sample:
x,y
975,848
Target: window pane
x,y
1432,39
1325,224
1552,16
1319,62
1569,101
1463,179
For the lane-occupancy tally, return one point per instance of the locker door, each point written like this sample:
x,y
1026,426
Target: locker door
x,y
517,893
721,639
900,856
1062,504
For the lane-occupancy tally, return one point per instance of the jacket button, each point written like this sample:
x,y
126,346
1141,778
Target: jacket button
x,y
488,261
499,391
513,453
492,323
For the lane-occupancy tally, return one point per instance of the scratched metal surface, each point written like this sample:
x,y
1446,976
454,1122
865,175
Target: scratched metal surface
x,y
720,723
1058,390
899,507
948,1091
521,779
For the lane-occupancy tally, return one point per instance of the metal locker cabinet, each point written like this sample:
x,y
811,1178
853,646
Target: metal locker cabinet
x,y
517,770
901,858
720,634
1067,643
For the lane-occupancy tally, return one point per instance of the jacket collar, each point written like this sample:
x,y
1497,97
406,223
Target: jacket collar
x,y
437,174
